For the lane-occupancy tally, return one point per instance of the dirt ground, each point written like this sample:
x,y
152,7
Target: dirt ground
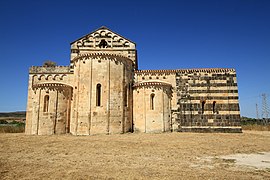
x,y
132,156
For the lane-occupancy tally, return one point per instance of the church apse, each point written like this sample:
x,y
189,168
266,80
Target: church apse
x,y
49,100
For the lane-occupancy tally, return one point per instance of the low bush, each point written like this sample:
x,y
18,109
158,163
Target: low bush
x,y
12,128
3,121
256,127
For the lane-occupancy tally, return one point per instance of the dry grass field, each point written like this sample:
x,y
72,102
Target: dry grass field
x,y
131,156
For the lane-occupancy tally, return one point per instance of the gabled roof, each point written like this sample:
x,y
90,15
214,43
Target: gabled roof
x,y
101,28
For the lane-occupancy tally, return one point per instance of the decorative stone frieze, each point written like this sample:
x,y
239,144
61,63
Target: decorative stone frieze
x,y
49,70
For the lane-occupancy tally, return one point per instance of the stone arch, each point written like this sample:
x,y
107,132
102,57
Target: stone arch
x,y
41,77
109,34
79,43
55,77
48,77
62,76
90,38
102,33
34,77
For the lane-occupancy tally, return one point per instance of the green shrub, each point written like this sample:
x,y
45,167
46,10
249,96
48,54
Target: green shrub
x,y
3,122
12,129
256,127
49,63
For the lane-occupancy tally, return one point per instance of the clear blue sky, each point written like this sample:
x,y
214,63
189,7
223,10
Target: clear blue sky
x,y
168,34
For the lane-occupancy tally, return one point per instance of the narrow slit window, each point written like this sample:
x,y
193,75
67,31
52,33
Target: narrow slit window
x,y
46,103
152,98
203,104
214,106
125,93
98,95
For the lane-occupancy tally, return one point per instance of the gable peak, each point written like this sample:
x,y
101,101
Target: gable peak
x,y
104,32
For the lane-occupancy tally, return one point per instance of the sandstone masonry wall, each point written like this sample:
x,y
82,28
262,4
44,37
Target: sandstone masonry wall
x,y
201,98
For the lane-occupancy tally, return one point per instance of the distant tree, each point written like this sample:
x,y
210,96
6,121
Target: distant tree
x,y
3,122
49,63
243,118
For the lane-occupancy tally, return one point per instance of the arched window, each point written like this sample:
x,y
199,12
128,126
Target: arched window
x,y
98,95
203,103
214,106
152,96
46,103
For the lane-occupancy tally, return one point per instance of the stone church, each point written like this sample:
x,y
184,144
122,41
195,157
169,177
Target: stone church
x,y
102,91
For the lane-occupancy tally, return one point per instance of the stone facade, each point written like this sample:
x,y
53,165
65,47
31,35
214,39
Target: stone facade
x,y
103,92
